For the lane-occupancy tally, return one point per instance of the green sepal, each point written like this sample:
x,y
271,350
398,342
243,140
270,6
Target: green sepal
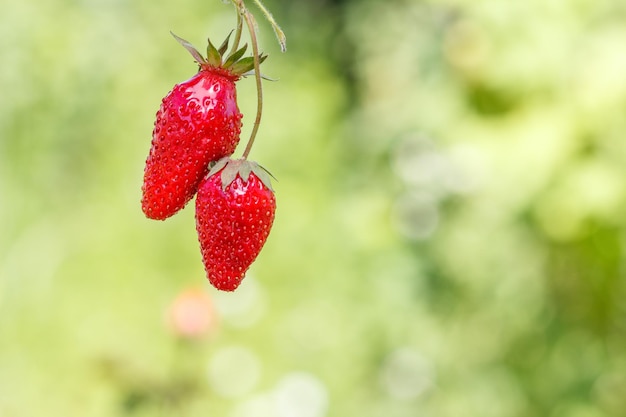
x,y
244,171
213,55
230,173
263,174
234,64
265,77
217,166
224,46
189,47
231,168
235,56
246,64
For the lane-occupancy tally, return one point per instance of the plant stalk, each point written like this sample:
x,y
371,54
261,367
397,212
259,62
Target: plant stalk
x,y
257,75
237,32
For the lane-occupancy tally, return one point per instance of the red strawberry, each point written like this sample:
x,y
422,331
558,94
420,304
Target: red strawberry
x,y
198,122
235,210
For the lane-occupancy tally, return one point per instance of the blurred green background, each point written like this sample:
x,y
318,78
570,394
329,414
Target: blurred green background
x,y
450,237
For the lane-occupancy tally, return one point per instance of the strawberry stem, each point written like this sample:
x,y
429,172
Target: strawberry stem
x,y
257,75
237,33
280,35
242,12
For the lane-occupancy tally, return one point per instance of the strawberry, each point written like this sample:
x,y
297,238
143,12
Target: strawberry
x,y
198,122
235,210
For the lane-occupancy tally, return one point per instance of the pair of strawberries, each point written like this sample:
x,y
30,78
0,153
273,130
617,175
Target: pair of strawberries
x,y
196,131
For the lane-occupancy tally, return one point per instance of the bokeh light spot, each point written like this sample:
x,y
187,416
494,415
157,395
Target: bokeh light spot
x,y
301,394
416,215
234,371
244,307
406,374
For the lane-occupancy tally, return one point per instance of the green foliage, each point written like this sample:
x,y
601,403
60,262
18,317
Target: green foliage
x,y
449,237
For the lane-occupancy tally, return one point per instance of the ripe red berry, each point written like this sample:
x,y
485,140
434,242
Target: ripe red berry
x,y
235,209
198,122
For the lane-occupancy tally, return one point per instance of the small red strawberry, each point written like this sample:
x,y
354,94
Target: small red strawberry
x,y
198,122
235,210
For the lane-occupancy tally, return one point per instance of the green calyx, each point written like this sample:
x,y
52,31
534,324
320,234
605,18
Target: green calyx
x,y
217,58
232,167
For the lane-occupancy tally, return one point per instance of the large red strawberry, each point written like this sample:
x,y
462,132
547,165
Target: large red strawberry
x,y
198,122
235,209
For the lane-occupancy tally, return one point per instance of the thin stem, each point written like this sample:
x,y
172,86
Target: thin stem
x,y
237,32
257,75
280,35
